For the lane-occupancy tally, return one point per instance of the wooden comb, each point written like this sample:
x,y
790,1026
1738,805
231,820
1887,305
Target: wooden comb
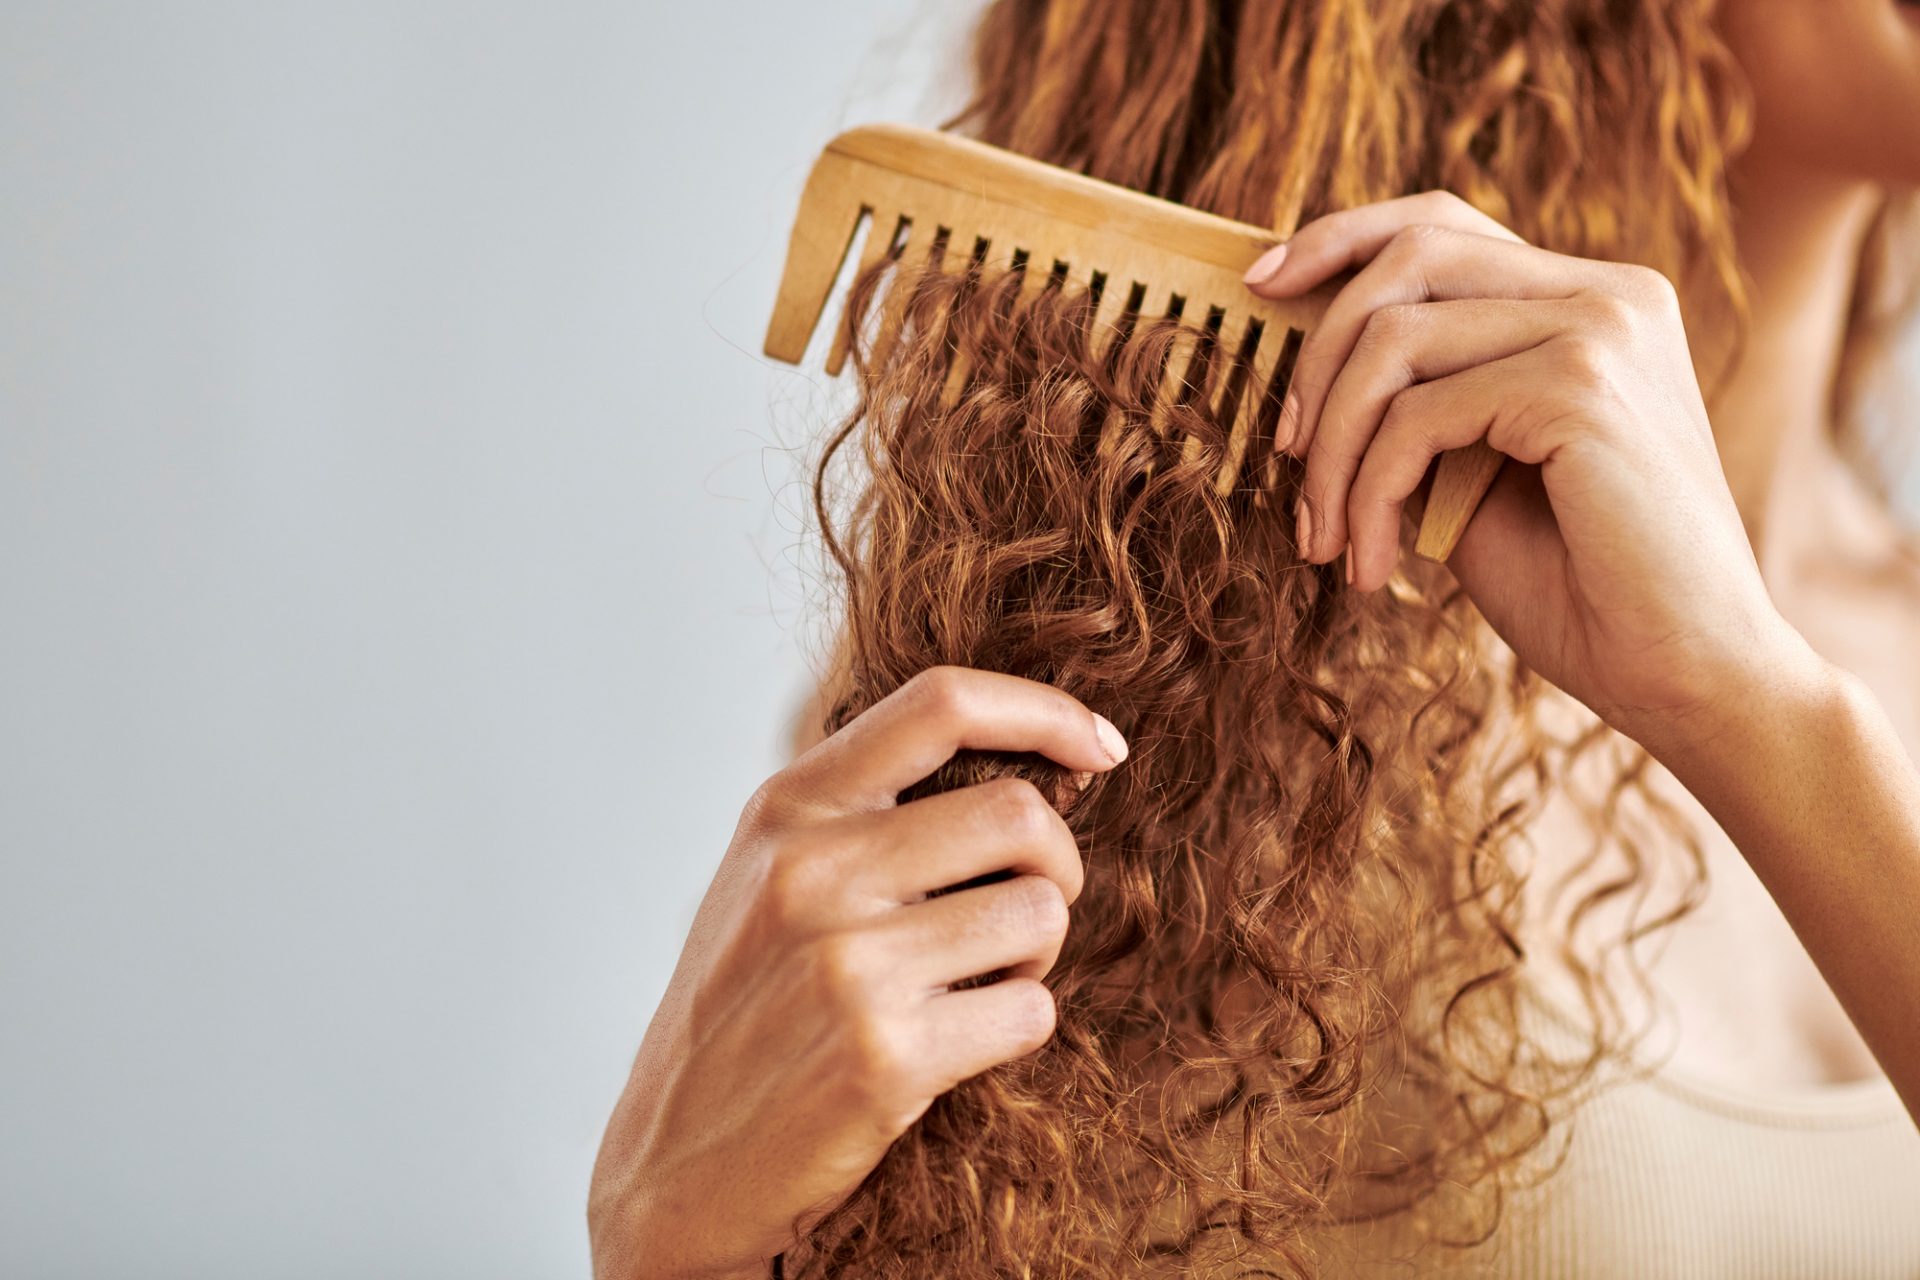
x,y
934,200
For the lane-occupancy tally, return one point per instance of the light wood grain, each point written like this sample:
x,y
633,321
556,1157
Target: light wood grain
x,y
1019,206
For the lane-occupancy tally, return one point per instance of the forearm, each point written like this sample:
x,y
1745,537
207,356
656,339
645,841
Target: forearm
x,y
633,1250
1810,781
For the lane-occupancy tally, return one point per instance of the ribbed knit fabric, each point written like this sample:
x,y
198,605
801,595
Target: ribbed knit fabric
x,y
1666,1176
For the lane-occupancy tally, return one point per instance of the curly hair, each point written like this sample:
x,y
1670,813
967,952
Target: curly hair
x,y
1291,993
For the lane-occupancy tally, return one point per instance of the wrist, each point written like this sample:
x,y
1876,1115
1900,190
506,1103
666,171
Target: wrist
x,y
647,1264
1778,697
641,1243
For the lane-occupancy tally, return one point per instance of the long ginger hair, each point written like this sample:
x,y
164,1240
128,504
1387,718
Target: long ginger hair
x,y
1303,889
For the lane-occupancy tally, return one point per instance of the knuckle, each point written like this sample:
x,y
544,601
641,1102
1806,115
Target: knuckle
x,y
1415,241
1587,386
793,881
1650,286
1610,313
795,794
767,803
1388,330
880,1060
1016,807
792,851
1036,907
843,968
941,691
1031,1014
1411,414
1585,354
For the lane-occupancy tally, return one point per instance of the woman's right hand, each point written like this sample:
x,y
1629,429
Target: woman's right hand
x,y
809,1021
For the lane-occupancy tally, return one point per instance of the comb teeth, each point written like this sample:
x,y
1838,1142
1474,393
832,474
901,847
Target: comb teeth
x,y
1109,314
1233,377
959,194
883,228
1269,372
1185,352
914,256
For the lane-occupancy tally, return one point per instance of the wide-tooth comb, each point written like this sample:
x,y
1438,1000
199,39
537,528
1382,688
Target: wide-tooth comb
x,y
917,188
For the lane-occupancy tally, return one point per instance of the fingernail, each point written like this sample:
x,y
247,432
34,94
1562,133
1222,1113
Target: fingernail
x,y
1302,525
1348,554
1267,265
1289,423
1110,740
1080,779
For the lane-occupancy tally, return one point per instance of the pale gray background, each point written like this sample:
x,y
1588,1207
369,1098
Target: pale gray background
x,y
400,590
401,574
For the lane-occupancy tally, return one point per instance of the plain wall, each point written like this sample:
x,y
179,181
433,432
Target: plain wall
x,y
401,575
402,572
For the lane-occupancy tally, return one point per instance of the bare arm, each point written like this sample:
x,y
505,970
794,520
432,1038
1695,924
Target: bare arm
x,y
1809,779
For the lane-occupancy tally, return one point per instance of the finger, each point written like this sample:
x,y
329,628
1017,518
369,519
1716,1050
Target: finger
x,y
904,853
1399,347
1339,241
966,1032
1421,423
1016,924
1422,264
917,728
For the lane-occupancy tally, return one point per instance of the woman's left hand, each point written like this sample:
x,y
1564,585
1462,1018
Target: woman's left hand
x,y
1614,561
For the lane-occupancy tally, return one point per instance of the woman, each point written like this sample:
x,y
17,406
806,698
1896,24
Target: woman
x,y
1337,908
